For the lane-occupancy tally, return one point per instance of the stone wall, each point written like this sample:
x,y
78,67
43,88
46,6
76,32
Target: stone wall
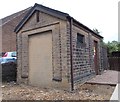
x,y
59,49
103,58
100,54
83,61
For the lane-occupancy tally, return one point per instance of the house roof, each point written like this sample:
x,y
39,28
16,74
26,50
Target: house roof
x,y
52,12
12,16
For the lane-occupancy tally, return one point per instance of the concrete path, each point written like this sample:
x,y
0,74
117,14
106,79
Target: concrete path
x,y
107,77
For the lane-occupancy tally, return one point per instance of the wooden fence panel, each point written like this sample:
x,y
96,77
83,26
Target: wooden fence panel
x,y
114,63
9,72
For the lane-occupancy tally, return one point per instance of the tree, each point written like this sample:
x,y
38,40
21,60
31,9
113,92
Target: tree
x,y
96,31
118,46
113,46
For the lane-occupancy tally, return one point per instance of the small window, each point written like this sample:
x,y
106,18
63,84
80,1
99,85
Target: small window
x,y
80,39
37,16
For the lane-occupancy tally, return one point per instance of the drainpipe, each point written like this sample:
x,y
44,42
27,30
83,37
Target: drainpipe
x,y
71,52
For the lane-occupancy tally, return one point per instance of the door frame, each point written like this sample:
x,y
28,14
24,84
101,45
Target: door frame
x,y
49,32
96,60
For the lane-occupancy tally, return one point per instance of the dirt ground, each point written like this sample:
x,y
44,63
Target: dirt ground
x,y
12,91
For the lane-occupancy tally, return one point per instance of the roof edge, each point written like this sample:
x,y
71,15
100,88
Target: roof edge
x,y
45,9
18,27
12,16
53,12
87,28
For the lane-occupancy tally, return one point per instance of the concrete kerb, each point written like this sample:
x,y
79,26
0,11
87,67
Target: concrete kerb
x,y
115,96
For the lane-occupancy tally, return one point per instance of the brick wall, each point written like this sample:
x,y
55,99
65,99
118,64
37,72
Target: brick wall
x,y
59,49
83,63
100,54
0,36
104,58
8,34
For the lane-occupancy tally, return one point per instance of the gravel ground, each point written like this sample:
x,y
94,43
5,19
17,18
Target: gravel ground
x,y
12,91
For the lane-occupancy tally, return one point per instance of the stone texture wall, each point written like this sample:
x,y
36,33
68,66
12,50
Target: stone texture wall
x,y
99,54
59,50
83,60
68,54
103,58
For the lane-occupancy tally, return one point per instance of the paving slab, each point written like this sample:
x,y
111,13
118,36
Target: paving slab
x,y
110,77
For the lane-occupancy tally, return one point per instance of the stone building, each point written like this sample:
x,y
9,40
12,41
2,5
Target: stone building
x,y
55,50
7,34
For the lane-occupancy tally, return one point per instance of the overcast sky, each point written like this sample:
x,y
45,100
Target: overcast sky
x,y
99,14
